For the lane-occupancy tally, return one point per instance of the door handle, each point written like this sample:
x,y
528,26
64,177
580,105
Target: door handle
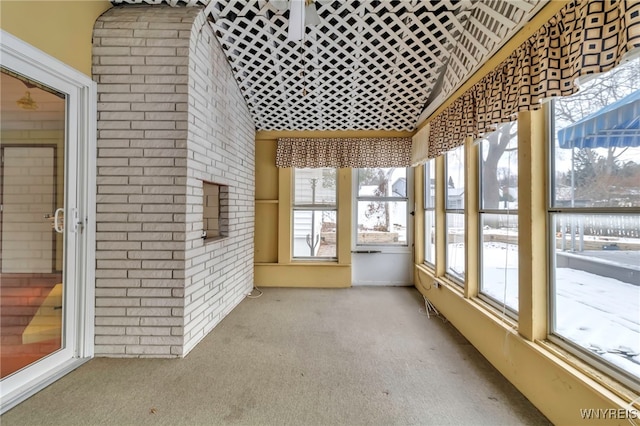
x,y
57,224
58,220
366,251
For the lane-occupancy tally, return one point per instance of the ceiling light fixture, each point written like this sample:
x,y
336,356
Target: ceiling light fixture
x,y
26,102
302,13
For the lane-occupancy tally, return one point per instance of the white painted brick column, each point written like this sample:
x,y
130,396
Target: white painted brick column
x,y
169,116
140,64
221,150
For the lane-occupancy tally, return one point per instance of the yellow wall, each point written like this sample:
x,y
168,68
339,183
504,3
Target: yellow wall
x,y
62,29
274,266
558,389
556,382
557,386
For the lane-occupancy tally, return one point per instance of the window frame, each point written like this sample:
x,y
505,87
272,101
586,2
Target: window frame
x,y
459,280
429,208
388,248
482,212
313,207
553,211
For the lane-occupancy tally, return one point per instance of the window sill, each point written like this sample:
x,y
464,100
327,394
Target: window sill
x,y
209,240
443,281
455,287
323,262
580,370
303,263
504,311
602,379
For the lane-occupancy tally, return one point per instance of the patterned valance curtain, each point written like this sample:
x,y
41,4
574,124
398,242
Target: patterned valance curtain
x,y
420,146
343,152
585,37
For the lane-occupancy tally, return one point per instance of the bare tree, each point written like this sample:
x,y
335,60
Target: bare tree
x,y
380,209
497,143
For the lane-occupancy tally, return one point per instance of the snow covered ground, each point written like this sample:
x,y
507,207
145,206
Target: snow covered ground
x,y
601,314
500,266
598,313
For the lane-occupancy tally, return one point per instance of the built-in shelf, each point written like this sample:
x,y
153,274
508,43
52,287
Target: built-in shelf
x,y
266,201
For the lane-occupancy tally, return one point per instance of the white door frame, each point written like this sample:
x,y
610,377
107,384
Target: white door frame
x,y
379,264
80,180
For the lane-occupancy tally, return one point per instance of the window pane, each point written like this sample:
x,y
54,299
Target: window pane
x,y
429,214
596,290
455,178
32,187
382,222
597,147
455,245
499,168
382,182
430,184
499,279
314,233
430,237
315,186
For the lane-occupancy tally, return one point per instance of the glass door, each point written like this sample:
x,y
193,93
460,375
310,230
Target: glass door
x,y
382,253
32,228
47,230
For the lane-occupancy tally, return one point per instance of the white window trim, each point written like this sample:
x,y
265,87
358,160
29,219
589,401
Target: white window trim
x,y
459,280
27,60
384,248
428,165
318,207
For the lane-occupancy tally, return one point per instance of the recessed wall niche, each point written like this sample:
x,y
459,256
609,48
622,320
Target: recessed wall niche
x,y
215,222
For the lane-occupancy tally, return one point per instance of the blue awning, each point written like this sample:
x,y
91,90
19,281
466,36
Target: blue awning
x,y
616,125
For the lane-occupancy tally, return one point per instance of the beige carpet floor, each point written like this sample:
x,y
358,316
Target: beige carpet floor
x,y
358,356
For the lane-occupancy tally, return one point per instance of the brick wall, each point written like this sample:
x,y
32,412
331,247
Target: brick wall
x,y
159,287
221,149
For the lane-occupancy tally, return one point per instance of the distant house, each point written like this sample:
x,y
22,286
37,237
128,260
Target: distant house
x,y
399,187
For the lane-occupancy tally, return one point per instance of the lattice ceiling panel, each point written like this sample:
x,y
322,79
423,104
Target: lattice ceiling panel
x,y
491,23
370,64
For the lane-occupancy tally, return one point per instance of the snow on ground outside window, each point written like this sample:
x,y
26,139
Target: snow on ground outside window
x,y
598,313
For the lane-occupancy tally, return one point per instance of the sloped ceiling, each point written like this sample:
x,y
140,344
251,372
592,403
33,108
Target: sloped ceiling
x,y
369,65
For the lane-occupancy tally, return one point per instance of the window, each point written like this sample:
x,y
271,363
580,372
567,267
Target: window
x,y
314,213
499,217
214,210
430,212
594,218
454,208
382,206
